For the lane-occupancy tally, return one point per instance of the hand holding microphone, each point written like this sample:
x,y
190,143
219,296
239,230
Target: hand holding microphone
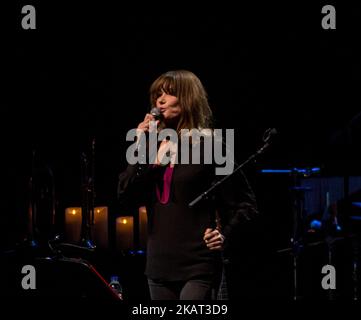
x,y
154,115
155,112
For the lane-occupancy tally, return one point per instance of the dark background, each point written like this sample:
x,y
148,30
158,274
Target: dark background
x,y
86,70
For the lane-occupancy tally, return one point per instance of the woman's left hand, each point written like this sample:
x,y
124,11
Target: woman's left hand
x,y
213,239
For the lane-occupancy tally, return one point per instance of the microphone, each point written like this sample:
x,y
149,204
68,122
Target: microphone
x,y
155,112
269,134
267,138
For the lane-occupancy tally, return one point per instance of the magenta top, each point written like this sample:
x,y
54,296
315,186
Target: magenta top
x,y
163,197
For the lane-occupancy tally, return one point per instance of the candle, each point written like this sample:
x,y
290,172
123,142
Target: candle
x,y
72,224
99,231
143,227
100,228
125,233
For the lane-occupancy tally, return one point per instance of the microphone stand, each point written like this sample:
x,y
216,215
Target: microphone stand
x,y
88,195
268,133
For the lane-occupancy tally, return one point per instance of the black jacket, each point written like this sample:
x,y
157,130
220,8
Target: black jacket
x,y
175,248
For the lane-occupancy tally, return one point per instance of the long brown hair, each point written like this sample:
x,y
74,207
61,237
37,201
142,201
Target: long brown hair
x,y
192,96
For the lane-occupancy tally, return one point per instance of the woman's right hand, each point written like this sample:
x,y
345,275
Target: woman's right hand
x,y
144,125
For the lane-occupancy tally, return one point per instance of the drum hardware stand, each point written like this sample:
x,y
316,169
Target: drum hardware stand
x,y
298,227
355,266
298,196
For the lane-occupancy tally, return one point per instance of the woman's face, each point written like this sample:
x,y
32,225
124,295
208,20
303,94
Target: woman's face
x,y
169,107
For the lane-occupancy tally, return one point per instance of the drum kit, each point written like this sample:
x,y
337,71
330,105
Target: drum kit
x,y
326,215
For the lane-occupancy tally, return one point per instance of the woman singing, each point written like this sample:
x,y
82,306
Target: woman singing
x,y
184,244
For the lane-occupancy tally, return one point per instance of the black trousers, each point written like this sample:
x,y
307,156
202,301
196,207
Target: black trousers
x,y
193,289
